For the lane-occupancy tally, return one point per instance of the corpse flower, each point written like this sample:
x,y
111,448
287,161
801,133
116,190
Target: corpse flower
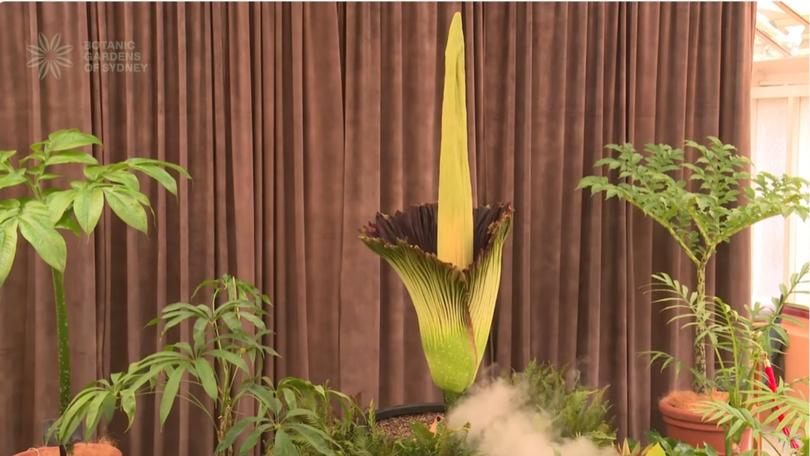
x,y
448,255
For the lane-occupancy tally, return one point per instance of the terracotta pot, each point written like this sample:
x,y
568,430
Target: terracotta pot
x,y
688,427
80,449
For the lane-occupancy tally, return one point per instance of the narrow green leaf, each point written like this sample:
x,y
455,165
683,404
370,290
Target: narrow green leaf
x,y
206,376
87,205
231,358
93,414
315,437
235,431
169,393
128,405
283,445
126,208
8,248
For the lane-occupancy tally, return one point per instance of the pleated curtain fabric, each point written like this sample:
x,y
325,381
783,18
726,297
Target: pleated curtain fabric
x,y
299,121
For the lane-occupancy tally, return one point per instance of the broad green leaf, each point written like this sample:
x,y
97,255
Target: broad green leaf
x,y
71,156
125,178
206,376
68,222
126,208
455,217
38,229
87,205
8,248
70,139
159,174
58,202
169,393
6,154
13,178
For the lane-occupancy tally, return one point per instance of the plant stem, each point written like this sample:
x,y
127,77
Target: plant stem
x,y
450,397
702,323
63,339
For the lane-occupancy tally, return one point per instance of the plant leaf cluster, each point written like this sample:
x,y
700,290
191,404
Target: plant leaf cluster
x,y
45,209
701,203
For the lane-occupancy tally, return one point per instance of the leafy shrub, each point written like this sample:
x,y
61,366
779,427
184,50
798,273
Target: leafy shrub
x,y
575,411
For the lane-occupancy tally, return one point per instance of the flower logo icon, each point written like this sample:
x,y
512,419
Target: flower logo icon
x,y
49,56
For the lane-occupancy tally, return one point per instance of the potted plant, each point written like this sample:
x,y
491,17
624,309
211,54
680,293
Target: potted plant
x,y
448,255
224,361
702,204
45,211
745,342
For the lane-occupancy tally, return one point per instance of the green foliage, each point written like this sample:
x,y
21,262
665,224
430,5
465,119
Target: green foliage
x,y
575,411
445,442
45,210
222,361
742,342
721,205
362,437
702,204
672,447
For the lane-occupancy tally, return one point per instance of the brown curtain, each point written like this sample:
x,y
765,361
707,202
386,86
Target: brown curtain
x,y
299,121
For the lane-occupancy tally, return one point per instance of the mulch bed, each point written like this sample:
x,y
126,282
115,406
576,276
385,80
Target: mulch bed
x,y
400,426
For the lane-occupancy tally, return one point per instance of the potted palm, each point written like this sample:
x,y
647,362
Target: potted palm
x,y
46,211
448,255
755,403
702,204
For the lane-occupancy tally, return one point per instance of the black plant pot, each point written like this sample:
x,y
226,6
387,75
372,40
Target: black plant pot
x,y
409,410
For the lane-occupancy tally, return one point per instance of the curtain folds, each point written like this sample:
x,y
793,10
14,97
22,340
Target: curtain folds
x,y
299,121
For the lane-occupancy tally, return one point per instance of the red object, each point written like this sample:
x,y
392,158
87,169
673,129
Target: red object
x,y
772,385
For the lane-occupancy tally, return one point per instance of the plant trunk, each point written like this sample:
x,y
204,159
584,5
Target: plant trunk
x,y
225,423
702,323
63,339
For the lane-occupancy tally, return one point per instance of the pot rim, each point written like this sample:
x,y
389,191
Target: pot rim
x,y
670,412
409,409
